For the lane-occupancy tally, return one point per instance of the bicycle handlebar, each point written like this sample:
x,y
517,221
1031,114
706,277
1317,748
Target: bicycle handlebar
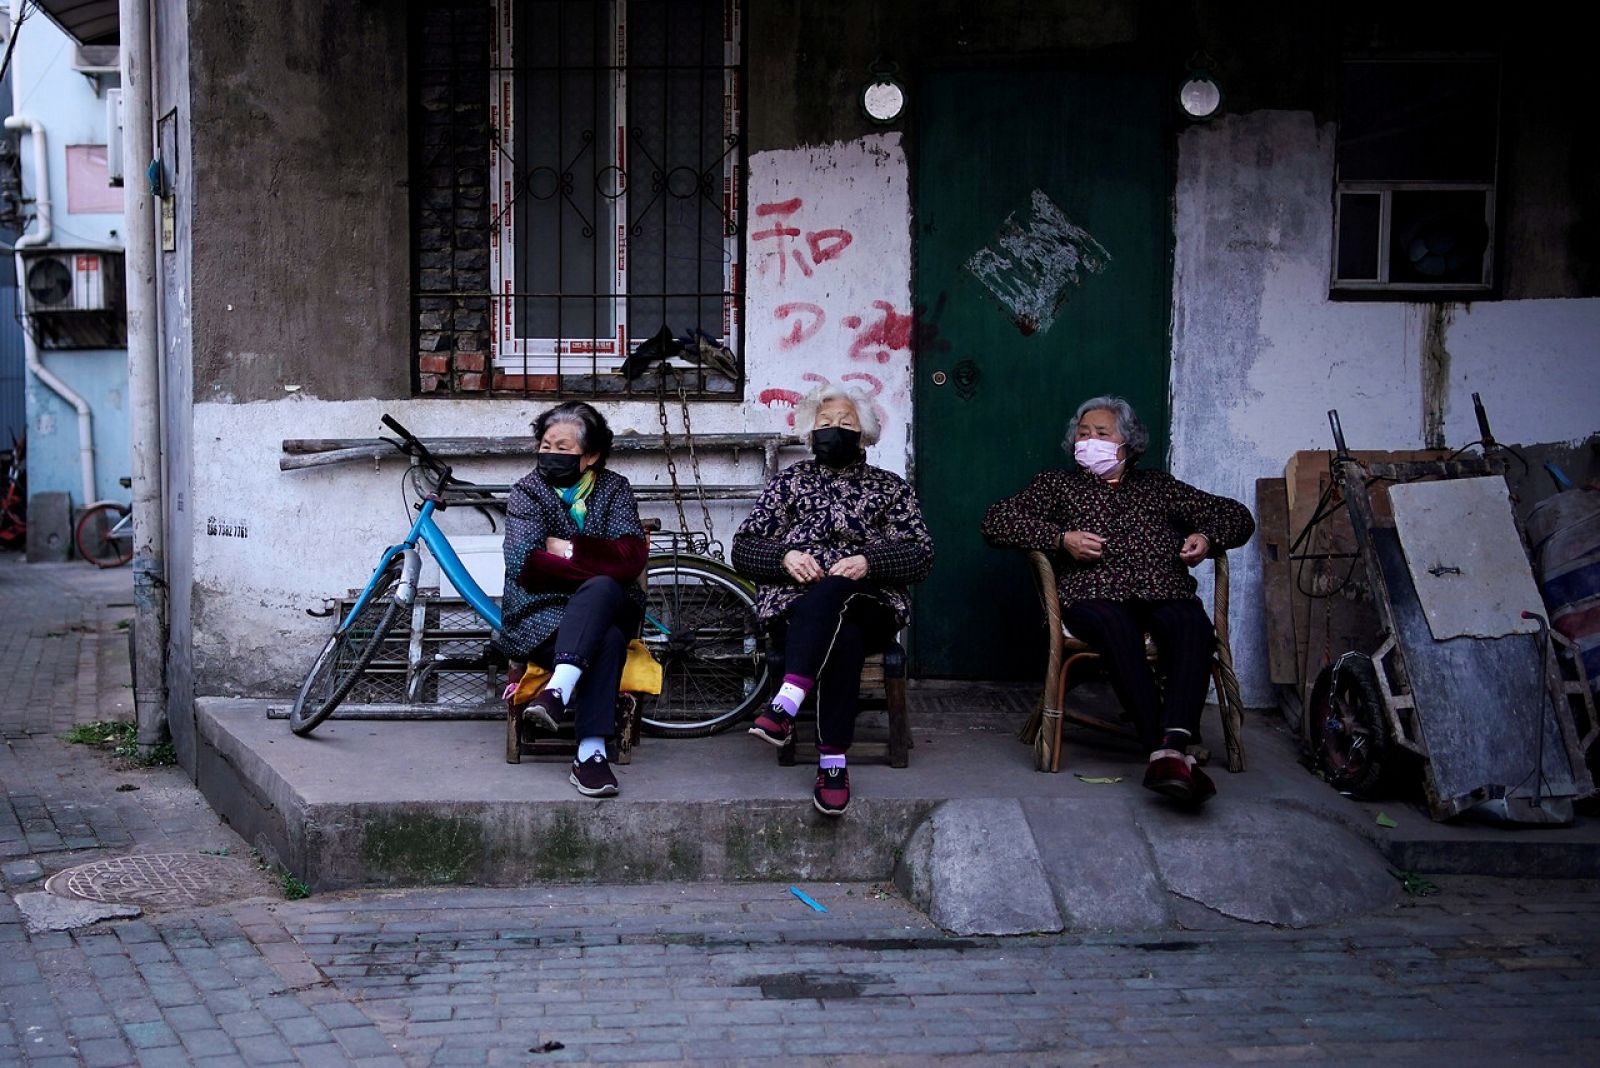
x,y
414,447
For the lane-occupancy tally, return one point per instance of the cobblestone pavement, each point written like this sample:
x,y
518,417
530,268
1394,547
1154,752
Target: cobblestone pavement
x,y
1485,971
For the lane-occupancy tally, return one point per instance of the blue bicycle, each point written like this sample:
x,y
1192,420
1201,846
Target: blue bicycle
x,y
700,620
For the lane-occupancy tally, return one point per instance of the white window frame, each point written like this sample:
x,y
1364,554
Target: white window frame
x,y
571,357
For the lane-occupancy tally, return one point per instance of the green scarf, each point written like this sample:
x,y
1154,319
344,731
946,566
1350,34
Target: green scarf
x,y
576,497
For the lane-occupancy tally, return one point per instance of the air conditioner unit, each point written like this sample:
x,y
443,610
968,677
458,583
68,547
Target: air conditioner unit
x,y
74,297
67,280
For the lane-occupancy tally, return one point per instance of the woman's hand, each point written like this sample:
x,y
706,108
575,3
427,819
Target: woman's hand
x,y
802,567
1195,549
851,567
1082,545
558,547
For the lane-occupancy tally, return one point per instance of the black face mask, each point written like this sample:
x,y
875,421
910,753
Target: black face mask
x,y
835,446
559,468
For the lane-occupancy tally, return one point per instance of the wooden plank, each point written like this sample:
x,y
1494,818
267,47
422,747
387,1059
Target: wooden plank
x,y
1272,541
516,446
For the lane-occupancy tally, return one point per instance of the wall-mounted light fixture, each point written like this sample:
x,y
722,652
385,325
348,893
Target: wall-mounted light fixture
x,y
1199,96
884,98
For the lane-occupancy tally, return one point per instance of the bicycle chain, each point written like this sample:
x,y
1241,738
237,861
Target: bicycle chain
x,y
712,544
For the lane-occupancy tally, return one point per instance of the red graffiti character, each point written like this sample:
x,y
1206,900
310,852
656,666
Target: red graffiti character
x,y
802,330
893,331
824,245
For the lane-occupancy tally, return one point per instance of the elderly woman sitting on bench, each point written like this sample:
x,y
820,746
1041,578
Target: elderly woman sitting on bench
x,y
574,548
833,542
1123,540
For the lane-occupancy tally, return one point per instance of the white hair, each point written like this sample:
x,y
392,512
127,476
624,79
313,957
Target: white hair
x,y
1134,435
805,413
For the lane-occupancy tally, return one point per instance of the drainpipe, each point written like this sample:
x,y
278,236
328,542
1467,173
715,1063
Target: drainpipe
x,y
41,236
144,381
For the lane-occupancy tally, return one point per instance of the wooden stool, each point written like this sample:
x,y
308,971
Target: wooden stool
x,y
563,744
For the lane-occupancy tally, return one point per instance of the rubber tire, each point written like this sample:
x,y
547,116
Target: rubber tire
x,y
1355,757
90,536
678,663
304,716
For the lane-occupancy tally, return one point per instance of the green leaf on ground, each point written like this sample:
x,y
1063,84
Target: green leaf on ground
x,y
1384,821
1097,780
1414,884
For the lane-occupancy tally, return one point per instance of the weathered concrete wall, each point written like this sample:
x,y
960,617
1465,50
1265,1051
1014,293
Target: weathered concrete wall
x,y
300,278
1260,354
315,534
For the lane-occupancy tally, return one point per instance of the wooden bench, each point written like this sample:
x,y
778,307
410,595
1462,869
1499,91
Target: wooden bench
x,y
883,687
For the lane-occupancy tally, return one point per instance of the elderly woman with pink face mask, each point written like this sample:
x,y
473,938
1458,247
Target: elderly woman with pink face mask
x,y
1123,539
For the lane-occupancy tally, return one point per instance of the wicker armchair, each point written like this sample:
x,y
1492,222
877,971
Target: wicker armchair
x,y
1043,729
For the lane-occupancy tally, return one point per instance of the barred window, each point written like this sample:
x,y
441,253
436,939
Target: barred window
x,y
616,189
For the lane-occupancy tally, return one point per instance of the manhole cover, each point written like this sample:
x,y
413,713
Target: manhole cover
x,y
160,880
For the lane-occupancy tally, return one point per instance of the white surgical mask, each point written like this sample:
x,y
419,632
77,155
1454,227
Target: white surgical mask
x,y
1097,455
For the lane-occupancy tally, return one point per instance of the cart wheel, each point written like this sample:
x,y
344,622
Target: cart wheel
x,y
1346,722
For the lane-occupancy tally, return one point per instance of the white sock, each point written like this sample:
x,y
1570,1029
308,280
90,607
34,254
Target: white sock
x,y
564,679
588,747
789,699
830,760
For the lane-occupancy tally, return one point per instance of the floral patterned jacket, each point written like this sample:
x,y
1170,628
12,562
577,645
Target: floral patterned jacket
x,y
1143,519
534,513
859,509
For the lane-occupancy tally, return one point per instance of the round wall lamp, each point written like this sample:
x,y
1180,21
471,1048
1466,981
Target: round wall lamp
x,y
1200,96
883,99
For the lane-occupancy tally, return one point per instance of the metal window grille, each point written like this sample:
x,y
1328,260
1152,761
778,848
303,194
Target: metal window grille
x,y
616,192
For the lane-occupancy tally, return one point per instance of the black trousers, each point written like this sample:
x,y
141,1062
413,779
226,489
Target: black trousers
x,y
826,636
599,621
1185,643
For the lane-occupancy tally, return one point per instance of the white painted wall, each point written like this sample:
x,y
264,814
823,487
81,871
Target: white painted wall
x,y
315,534
1260,353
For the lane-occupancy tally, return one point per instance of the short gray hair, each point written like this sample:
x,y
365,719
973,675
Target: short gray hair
x,y
805,413
1134,435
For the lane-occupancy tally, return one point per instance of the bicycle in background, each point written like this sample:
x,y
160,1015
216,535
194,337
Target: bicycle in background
x,y
14,494
104,533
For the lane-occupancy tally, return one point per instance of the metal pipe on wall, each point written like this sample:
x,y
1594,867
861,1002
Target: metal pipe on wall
x,y
41,234
144,385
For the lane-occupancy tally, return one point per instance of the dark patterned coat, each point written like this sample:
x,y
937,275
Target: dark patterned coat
x,y
534,512
832,514
1144,520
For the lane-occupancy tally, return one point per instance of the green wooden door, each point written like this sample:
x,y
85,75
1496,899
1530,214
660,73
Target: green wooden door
x,y
1043,238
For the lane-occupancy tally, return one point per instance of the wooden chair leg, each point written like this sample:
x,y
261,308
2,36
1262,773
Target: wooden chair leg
x,y
627,714
1231,707
899,726
513,737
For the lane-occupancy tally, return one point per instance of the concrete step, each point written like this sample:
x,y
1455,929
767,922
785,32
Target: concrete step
x,y
372,803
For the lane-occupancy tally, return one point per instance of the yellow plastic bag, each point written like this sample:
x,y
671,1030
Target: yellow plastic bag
x,y
641,674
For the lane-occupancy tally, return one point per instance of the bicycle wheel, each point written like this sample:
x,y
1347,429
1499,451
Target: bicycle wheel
x,y
1348,735
345,656
701,625
92,535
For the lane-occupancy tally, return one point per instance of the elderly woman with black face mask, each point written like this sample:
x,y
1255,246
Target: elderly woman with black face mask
x,y
574,550
833,543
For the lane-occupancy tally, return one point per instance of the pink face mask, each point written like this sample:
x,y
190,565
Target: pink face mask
x,y
1097,455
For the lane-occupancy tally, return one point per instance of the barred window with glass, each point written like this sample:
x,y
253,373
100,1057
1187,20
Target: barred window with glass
x,y
615,196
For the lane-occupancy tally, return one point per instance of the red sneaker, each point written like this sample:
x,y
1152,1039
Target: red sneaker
x,y
832,792
773,726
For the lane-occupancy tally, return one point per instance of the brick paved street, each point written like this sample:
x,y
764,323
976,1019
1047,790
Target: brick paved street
x,y
1486,971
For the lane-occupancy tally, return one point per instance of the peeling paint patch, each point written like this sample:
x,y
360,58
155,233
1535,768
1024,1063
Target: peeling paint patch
x,y
1031,265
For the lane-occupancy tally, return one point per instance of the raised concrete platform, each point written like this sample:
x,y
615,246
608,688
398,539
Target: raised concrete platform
x,y
970,831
